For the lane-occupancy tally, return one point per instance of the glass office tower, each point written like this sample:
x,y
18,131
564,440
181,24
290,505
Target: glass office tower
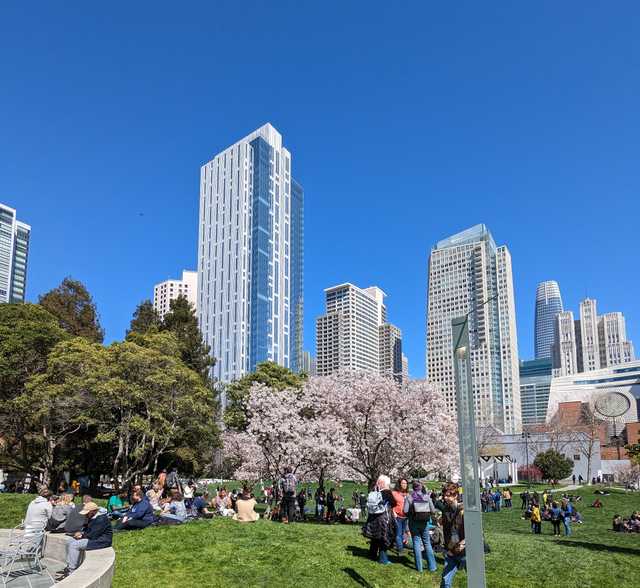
x,y
548,305
14,252
250,256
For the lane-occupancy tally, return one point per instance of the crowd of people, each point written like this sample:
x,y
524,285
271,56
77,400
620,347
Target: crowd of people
x,y
539,507
492,499
411,515
627,525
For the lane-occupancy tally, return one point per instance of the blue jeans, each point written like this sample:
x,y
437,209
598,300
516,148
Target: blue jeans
x,y
452,563
401,527
567,525
422,541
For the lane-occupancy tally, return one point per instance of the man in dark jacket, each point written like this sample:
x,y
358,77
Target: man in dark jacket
x,y
139,516
453,530
97,534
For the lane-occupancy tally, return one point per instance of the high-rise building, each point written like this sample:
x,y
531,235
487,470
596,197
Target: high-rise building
x,y
308,363
548,305
250,256
354,333
390,351
405,368
14,253
535,384
591,342
165,292
470,275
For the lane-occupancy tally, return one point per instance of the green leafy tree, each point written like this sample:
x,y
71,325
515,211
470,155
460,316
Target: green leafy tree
x,y
553,465
633,451
145,319
75,310
268,373
151,404
182,322
28,333
58,403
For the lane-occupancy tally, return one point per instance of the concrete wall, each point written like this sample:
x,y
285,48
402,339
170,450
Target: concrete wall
x,y
96,570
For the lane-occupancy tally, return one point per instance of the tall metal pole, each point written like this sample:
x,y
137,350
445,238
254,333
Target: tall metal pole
x,y
474,540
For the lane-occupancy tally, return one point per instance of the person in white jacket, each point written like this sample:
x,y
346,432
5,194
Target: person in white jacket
x,y
38,512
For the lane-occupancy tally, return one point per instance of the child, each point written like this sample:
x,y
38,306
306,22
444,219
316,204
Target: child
x,y
536,519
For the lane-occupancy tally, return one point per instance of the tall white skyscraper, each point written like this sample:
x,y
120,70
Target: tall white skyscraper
x,y
165,292
250,256
14,252
468,274
354,333
590,343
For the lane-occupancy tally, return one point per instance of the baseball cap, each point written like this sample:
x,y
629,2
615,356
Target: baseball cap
x,y
89,507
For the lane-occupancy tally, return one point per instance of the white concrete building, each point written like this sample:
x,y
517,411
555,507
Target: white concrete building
x,y
250,256
165,292
308,363
468,274
14,252
590,343
354,333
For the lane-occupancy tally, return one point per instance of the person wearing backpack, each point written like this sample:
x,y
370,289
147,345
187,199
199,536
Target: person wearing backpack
x,y
556,517
380,527
288,486
419,509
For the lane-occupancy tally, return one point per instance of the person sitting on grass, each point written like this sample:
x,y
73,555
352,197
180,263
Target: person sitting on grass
x,y
223,504
246,504
116,506
63,507
139,516
617,523
175,511
97,534
597,503
201,505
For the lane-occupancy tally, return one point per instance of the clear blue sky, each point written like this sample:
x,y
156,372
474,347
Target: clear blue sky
x,y
407,122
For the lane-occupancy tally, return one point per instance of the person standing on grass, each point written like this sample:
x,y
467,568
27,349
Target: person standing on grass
x,y
419,508
288,486
556,516
380,527
536,519
302,500
567,512
453,531
331,506
400,494
524,496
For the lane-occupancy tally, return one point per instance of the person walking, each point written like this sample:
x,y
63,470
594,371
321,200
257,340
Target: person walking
x,y
380,527
453,531
573,478
580,479
418,508
556,516
288,485
400,494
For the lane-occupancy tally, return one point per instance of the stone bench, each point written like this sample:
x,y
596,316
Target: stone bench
x,y
95,571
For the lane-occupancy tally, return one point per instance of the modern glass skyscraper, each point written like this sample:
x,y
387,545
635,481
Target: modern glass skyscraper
x,y
14,251
469,274
250,256
548,305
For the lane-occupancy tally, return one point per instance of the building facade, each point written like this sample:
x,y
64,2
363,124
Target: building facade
x,y
535,385
548,305
14,254
590,343
165,292
250,256
308,363
470,275
354,334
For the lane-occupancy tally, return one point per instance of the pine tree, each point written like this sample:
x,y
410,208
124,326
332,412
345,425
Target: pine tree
x,y
145,319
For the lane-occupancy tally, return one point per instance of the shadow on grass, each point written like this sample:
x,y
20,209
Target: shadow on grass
x,y
599,547
356,577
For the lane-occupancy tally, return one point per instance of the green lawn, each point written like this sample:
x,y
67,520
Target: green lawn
x,y
223,553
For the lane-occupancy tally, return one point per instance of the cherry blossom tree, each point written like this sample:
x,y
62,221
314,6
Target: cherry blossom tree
x,y
391,428
354,425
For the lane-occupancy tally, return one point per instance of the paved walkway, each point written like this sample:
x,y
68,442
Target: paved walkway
x,y
24,577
